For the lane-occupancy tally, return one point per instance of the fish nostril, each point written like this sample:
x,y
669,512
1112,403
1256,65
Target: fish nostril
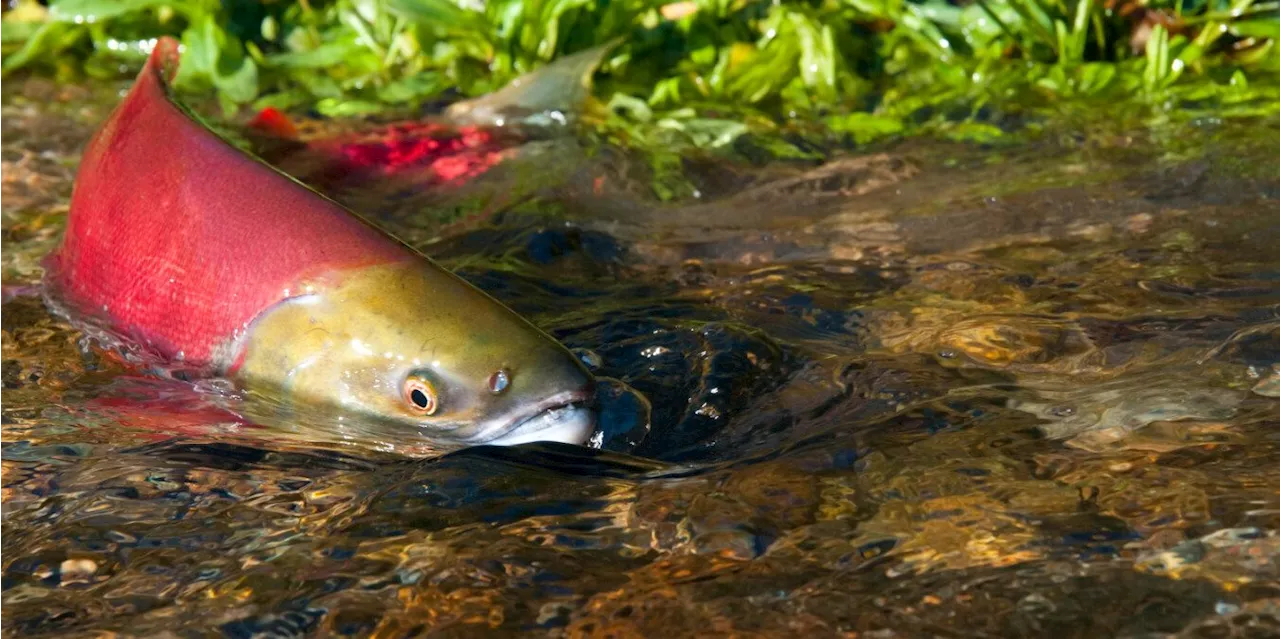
x,y
499,381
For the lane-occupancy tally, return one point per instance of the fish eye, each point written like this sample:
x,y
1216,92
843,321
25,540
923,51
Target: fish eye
x,y
421,395
499,381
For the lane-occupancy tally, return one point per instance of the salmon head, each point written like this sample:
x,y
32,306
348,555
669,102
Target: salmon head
x,y
402,353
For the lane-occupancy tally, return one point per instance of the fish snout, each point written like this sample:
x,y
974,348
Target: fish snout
x,y
554,402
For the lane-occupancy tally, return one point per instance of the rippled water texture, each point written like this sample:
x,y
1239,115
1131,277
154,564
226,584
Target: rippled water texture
x,y
942,390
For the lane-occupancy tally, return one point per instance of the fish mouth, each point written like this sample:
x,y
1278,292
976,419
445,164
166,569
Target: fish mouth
x,y
564,417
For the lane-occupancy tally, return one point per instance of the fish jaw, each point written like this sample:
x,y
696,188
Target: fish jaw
x,y
344,351
566,418
574,425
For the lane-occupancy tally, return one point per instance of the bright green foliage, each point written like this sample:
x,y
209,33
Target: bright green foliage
x,y
700,72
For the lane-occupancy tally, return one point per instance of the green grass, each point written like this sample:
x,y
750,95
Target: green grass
x,y
837,71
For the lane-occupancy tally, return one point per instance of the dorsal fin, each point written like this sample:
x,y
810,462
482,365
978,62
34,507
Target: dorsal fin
x,y
177,238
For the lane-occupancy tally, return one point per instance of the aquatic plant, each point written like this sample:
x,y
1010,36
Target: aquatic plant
x,y
698,73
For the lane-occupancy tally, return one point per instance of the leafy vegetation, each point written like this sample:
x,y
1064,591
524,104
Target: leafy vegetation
x,y
698,72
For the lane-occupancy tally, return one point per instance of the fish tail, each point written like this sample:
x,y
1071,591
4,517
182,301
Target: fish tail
x,y
552,94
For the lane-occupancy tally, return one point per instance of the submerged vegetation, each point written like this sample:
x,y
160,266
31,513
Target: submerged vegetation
x,y
698,72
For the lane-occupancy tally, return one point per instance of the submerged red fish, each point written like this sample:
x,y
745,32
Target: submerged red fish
x,y
181,243
421,154
407,158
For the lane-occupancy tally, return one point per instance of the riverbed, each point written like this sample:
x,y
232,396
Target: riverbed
x,y
925,389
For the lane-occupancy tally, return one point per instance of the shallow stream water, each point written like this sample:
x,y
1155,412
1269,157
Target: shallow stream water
x,y
938,389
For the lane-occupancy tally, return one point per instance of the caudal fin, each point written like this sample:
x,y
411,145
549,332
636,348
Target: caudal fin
x,y
553,94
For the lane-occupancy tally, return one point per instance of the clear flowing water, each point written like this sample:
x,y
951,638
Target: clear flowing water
x,y
938,390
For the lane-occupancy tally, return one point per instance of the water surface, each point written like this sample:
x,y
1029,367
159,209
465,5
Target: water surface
x,y
925,390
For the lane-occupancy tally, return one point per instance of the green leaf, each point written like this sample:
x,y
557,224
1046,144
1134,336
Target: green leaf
x,y
974,132
1260,28
706,132
240,83
335,108
214,58
866,127
200,52
1079,32
418,87
50,38
322,57
633,107
88,11
441,14
982,21
1157,56
17,33
1095,77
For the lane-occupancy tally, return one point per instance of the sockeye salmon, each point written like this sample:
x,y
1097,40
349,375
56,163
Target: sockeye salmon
x,y
402,158
202,255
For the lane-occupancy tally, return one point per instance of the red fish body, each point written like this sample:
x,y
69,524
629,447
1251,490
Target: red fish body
x,y
180,240
183,244
432,153
469,139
